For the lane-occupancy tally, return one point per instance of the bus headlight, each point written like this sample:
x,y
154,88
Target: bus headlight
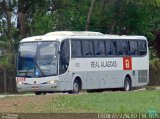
x,y
53,82
20,83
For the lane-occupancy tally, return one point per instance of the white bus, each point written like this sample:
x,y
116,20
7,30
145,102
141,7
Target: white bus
x,y
68,61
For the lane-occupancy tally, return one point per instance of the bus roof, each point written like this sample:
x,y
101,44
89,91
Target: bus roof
x,y
74,33
61,35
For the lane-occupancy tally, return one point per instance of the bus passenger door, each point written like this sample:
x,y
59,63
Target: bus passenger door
x,y
64,74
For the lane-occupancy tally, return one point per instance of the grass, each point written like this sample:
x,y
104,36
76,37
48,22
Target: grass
x,y
119,102
108,102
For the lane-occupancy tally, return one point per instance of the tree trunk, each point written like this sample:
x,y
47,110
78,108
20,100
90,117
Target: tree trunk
x,y
9,33
89,15
5,80
112,27
22,9
22,25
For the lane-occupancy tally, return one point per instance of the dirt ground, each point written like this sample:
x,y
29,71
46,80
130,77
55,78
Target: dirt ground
x,y
24,104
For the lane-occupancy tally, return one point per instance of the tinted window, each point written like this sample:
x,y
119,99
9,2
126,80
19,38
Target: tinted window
x,y
64,56
65,50
111,47
122,47
87,47
133,48
142,47
76,48
99,47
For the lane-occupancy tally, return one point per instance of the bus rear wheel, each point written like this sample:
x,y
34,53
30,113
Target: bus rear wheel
x,y
37,93
76,87
127,84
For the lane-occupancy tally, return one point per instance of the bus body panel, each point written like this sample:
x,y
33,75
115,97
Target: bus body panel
x,y
108,77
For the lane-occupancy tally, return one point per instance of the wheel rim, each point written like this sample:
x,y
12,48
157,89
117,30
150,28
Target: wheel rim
x,y
75,87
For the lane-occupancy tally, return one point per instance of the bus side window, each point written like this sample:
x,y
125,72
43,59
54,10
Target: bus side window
x,y
122,47
87,47
113,48
125,48
99,48
142,47
133,48
119,48
108,49
76,48
64,56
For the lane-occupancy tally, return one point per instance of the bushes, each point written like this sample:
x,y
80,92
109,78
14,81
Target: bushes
x,y
7,80
154,77
7,73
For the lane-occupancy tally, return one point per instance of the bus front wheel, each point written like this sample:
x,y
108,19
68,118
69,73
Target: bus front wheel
x,y
127,84
76,87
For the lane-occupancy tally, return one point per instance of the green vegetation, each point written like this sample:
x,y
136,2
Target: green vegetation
x,y
120,102
20,18
108,102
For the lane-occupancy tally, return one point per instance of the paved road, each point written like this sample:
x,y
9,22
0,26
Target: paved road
x,y
3,96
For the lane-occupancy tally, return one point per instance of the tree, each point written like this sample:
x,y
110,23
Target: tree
x,y
89,15
23,7
6,17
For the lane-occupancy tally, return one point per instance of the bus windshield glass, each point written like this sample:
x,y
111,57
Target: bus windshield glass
x,y
38,59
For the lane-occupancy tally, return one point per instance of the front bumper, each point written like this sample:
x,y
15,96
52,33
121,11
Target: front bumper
x,y
37,87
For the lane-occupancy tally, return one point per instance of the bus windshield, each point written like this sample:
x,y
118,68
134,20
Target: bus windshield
x,y
37,59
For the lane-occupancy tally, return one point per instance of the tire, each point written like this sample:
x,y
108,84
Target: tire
x,y
127,84
37,93
76,87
